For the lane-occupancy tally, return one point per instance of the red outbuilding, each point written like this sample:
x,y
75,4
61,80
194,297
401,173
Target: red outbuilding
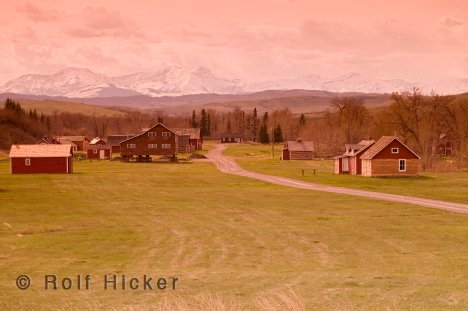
x,y
46,158
99,152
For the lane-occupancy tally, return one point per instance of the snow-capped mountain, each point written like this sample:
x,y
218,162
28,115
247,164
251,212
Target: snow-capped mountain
x,y
177,80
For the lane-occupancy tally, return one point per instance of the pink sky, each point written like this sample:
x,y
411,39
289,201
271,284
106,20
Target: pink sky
x,y
251,40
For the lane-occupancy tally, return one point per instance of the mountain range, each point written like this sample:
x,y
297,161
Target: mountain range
x,y
178,81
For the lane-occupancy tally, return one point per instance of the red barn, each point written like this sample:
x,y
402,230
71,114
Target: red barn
x,y
97,141
46,158
99,151
389,157
158,140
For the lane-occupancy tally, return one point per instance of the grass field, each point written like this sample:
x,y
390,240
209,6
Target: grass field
x,y
51,106
234,243
441,186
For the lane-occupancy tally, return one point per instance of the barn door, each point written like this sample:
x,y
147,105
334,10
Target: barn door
x,y
344,165
102,154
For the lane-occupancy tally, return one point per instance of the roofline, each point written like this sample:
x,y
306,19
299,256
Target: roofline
x,y
148,131
389,144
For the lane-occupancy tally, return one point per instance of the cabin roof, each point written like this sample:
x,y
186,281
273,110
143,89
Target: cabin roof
x,y
194,133
231,135
72,138
40,151
299,145
383,142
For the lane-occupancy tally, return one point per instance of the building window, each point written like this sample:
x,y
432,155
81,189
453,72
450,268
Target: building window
x,y
152,146
166,146
394,150
27,162
166,134
94,151
131,146
152,134
402,165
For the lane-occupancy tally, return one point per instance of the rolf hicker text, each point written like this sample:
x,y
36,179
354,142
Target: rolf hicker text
x,y
109,282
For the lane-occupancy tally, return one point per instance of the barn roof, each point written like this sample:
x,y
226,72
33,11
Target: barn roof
x,y
383,142
65,141
40,151
73,138
299,145
150,130
95,140
115,140
194,133
99,147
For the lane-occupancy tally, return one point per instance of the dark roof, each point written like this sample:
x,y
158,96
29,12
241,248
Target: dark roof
x,y
383,142
40,151
149,130
72,138
231,135
194,133
115,140
299,145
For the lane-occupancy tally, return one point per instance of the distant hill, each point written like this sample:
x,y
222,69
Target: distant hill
x,y
299,101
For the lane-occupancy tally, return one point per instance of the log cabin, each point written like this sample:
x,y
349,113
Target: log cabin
x,y
41,158
231,138
157,140
298,150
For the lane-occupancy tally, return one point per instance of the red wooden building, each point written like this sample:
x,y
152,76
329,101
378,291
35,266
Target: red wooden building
x,y
45,158
298,150
97,141
389,157
81,142
157,140
190,139
99,151
115,140
349,162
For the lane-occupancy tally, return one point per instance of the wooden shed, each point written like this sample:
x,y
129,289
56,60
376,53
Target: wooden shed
x,y
195,140
298,150
349,162
97,141
44,158
157,140
99,151
231,138
389,157
81,142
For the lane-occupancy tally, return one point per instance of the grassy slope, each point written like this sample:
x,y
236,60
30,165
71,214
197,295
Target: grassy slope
x,y
51,106
231,241
442,186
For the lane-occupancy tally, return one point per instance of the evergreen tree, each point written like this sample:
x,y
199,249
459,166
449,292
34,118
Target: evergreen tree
x,y
265,118
255,122
208,124
48,123
278,134
193,120
229,126
42,118
302,120
204,123
264,137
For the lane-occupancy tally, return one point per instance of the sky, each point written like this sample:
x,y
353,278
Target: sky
x,y
251,40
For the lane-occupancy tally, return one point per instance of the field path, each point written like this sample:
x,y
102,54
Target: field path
x,y
228,165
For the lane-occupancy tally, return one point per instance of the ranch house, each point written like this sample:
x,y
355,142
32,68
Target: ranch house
x,y
157,140
389,157
44,158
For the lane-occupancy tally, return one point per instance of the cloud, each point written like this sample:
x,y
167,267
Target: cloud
x,y
101,22
450,22
38,14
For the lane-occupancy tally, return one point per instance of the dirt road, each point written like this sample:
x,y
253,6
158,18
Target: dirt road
x,y
228,165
